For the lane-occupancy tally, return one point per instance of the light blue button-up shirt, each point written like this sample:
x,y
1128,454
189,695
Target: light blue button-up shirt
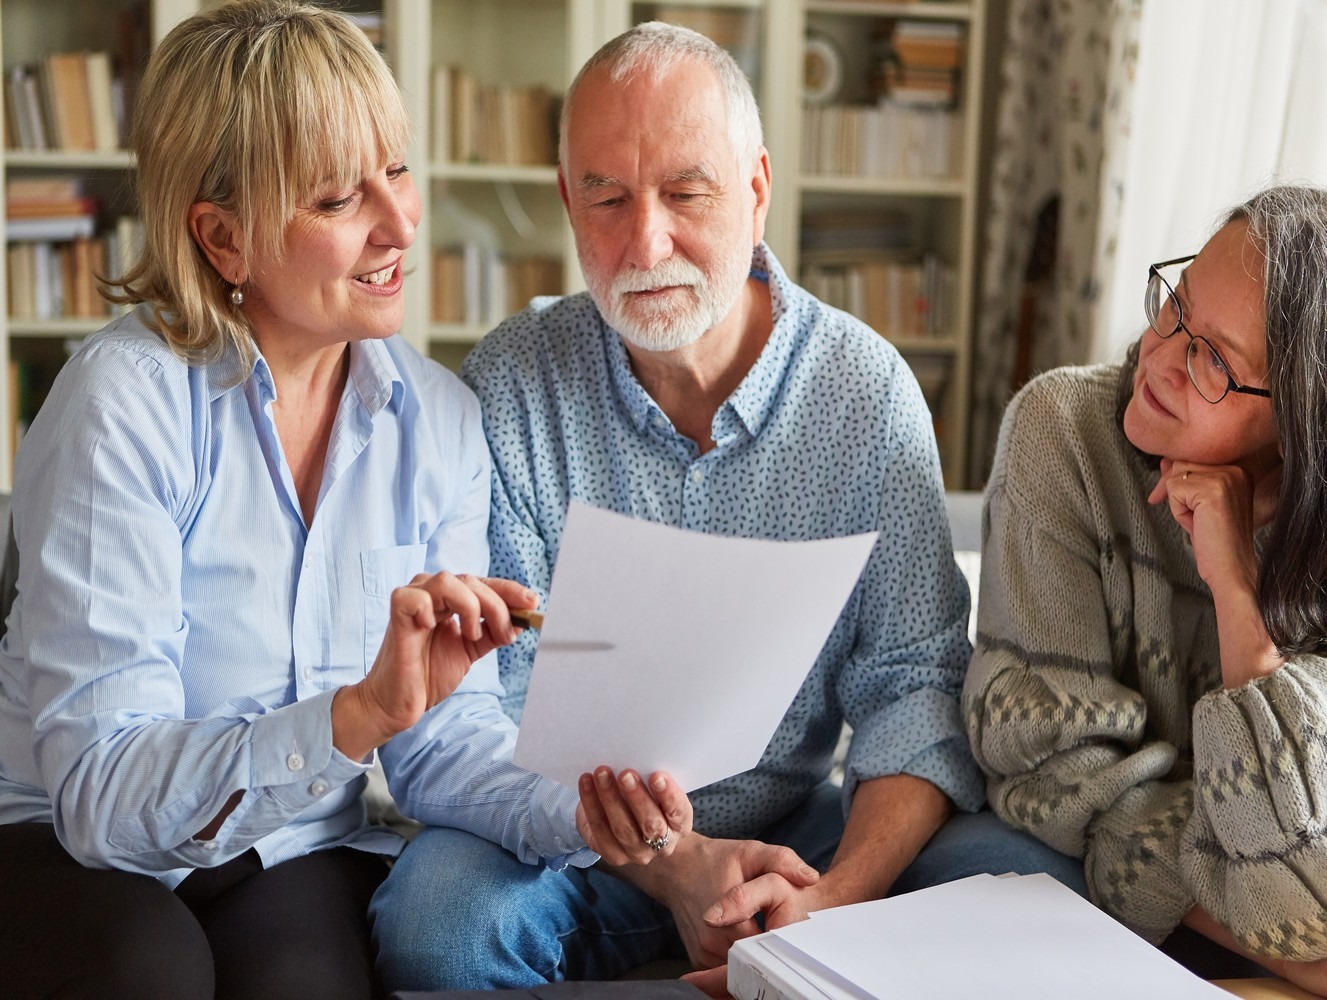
x,y
178,632
827,435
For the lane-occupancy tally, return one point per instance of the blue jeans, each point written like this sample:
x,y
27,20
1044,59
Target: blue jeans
x,y
459,912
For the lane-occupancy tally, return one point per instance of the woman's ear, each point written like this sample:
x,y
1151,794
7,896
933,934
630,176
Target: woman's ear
x,y
215,232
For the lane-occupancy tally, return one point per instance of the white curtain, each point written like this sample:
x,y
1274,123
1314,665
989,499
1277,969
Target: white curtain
x,y
1228,98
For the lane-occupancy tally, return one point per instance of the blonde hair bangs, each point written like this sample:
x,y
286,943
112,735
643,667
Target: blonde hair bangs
x,y
260,107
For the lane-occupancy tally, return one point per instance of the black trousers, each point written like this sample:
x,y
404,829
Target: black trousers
x,y
297,930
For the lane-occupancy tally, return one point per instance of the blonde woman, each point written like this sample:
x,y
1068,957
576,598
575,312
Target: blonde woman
x,y
251,527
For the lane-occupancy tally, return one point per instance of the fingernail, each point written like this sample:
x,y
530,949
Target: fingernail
x,y
604,777
629,781
586,782
658,783
810,872
714,913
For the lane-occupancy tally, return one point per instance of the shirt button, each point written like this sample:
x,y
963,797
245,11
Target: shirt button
x,y
209,845
295,762
308,673
319,787
697,475
561,844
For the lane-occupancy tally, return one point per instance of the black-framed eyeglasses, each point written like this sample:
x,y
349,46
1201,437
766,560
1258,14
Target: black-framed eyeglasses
x,y
1208,371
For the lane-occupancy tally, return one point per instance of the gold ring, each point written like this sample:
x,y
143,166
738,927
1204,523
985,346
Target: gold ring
x,y
657,844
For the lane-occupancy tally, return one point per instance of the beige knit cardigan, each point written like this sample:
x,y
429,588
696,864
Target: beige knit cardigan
x,y
1094,700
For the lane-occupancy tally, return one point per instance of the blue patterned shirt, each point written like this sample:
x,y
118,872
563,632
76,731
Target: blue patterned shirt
x,y
179,632
827,435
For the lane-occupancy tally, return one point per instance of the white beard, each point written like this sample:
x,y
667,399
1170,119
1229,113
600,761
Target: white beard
x,y
697,302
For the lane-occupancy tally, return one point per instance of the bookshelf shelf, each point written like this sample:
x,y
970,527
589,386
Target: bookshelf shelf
x,y
55,328
917,187
457,333
512,173
53,160
936,10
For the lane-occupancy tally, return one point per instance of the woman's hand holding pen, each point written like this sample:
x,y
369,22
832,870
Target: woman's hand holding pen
x,y
438,626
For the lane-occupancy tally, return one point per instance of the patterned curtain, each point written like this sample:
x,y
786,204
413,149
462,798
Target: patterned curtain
x,y
1065,75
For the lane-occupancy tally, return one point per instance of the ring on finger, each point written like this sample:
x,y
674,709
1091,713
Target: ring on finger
x,y
656,844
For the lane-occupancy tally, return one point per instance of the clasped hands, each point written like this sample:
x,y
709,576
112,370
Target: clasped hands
x,y
714,888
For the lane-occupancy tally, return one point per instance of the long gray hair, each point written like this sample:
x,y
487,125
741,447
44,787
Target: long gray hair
x,y
1288,224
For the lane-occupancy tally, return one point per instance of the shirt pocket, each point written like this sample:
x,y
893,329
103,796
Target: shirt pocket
x,y
383,571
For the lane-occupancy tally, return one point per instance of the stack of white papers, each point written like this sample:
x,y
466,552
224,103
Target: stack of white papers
x,y
1024,936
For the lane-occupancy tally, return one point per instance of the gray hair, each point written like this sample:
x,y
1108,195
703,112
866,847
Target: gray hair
x,y
1288,225
655,48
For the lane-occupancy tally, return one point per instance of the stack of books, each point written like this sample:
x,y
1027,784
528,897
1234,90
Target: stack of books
x,y
67,101
473,123
924,62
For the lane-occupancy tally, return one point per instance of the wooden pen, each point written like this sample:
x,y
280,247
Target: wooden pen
x,y
526,617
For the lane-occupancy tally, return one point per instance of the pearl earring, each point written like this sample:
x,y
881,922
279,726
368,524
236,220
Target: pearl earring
x,y
236,296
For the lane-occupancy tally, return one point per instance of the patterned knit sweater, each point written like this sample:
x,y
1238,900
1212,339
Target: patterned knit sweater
x,y
1094,700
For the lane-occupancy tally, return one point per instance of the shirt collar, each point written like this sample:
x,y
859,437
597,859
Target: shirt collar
x,y
374,375
752,402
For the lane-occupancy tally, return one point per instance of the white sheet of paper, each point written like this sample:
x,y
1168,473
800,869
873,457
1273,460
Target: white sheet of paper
x,y
665,649
1025,936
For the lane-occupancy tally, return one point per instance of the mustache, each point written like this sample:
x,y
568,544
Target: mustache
x,y
673,271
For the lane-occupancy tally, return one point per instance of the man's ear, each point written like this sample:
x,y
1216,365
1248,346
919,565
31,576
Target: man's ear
x,y
562,190
215,233
761,180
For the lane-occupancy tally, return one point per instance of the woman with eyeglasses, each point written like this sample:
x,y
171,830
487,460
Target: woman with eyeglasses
x,y
1149,686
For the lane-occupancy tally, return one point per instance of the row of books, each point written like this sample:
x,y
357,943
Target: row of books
x,y
474,123
479,287
66,101
888,139
896,297
50,280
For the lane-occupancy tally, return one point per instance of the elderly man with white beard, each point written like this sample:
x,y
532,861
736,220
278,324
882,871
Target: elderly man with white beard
x,y
695,385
